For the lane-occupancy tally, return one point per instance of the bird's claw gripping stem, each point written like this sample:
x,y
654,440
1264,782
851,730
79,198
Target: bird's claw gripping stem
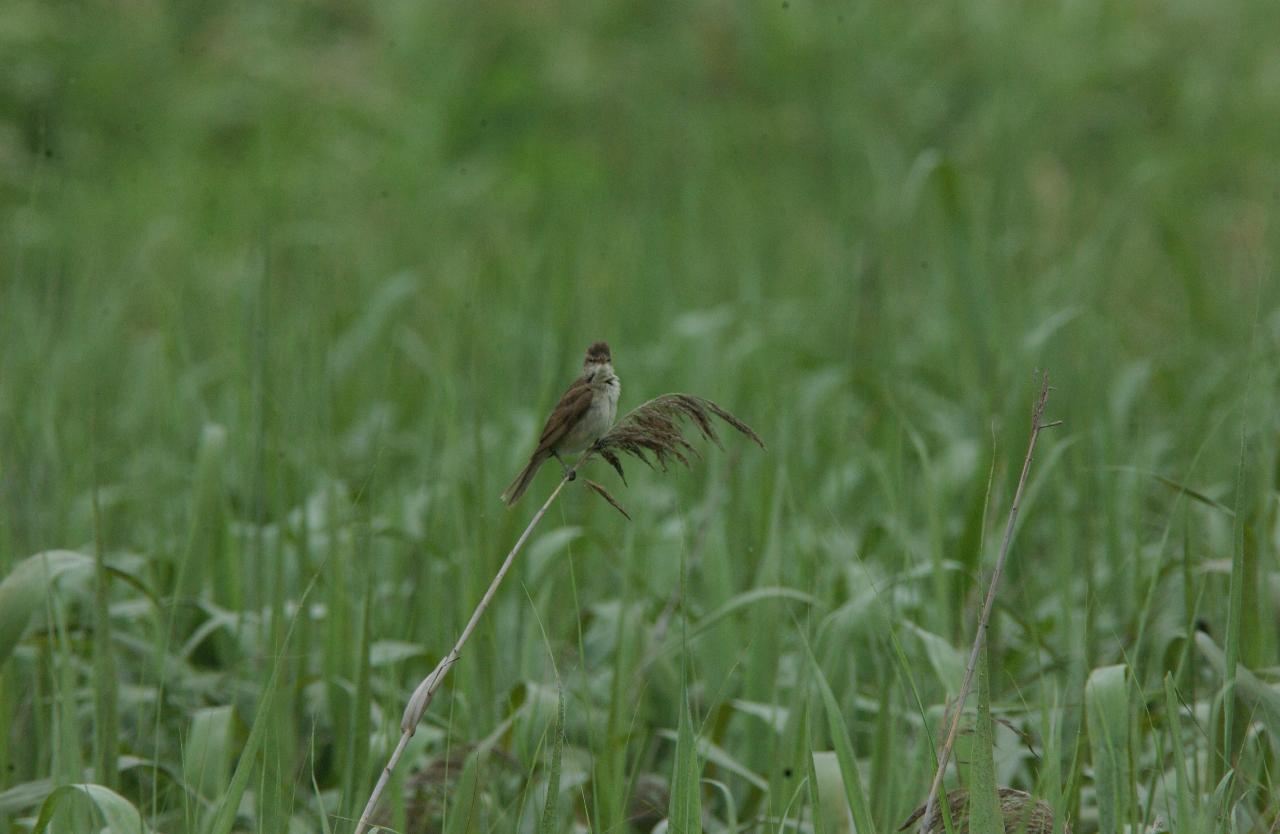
x,y
569,473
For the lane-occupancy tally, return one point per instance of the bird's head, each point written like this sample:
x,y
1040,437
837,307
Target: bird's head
x,y
598,359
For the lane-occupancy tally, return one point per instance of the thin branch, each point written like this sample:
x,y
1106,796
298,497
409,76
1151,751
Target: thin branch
x,y
427,689
1037,416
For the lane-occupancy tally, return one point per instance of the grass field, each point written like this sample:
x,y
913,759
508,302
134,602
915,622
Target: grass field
x,y
286,290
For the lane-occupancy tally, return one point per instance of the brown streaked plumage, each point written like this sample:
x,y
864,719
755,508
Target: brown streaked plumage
x,y
584,413
1022,812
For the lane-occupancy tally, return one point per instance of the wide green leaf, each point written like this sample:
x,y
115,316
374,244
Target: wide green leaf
x,y
826,795
946,662
1262,699
25,795
23,591
119,814
206,755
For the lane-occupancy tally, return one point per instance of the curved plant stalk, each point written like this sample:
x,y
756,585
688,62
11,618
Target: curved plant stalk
x,y
1037,417
655,428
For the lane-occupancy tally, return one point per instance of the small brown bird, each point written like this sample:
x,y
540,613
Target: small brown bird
x,y
584,413
1022,812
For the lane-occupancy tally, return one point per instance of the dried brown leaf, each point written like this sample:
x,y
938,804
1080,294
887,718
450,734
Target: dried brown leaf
x,y
613,461
604,493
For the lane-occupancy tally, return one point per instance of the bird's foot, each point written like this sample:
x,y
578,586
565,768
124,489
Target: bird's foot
x,y
569,474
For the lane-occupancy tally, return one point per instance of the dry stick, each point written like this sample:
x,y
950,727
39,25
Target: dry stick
x,y
1036,414
431,683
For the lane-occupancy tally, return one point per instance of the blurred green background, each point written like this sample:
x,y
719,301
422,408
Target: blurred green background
x,y
288,288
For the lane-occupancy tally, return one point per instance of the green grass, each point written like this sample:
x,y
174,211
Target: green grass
x,y
286,289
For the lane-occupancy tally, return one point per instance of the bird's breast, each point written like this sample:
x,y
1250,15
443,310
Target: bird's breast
x,y
612,391
597,419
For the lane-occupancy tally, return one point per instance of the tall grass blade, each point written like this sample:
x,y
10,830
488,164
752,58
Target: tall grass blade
x,y
685,813
359,717
1107,707
205,553
463,815
106,715
816,810
224,817
852,780
548,823
1177,751
984,803
1235,617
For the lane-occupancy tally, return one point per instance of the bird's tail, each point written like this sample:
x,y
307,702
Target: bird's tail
x,y
512,493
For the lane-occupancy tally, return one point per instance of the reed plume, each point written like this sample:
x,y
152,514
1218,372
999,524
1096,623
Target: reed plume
x,y
655,434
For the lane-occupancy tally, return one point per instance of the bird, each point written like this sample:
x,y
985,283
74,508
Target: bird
x,y
1022,812
585,412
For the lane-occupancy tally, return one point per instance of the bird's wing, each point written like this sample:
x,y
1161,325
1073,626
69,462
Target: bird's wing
x,y
566,414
